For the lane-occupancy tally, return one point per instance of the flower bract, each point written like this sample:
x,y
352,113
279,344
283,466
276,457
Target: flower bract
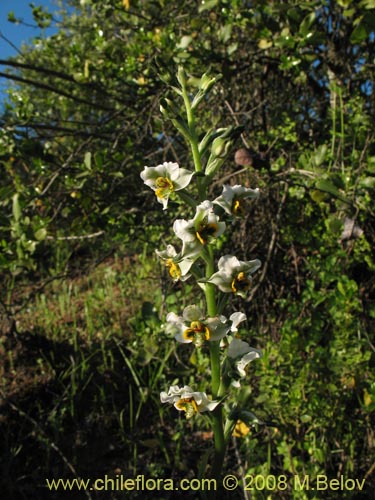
x,y
165,179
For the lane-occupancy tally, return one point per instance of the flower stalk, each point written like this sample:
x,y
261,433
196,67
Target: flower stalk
x,y
217,277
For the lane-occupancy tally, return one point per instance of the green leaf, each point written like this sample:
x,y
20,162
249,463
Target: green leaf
x,y
334,225
41,234
185,42
87,160
320,155
11,17
207,4
367,4
367,182
318,196
327,186
16,209
359,34
305,26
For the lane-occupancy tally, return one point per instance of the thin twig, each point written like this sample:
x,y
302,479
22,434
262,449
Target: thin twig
x,y
80,237
9,42
370,471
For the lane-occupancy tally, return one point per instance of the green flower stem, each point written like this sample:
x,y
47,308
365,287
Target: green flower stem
x,y
193,138
217,414
228,429
219,442
212,312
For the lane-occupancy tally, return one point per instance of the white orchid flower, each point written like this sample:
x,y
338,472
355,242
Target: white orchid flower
x,y
165,179
187,400
202,228
194,327
234,275
178,266
241,354
232,197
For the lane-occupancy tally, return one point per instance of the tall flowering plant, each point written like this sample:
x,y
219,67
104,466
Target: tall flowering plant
x,y
217,276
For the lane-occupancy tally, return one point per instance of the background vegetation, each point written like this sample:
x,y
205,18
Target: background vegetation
x,y
82,303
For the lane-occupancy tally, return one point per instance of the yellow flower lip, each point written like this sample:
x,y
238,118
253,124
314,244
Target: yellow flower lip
x,y
188,405
164,187
240,283
205,230
237,208
174,269
198,332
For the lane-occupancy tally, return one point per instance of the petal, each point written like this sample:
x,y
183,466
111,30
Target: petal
x,y
173,318
180,338
236,318
191,249
222,281
169,253
210,406
173,393
221,229
228,263
171,170
204,404
192,313
218,327
162,170
251,355
228,193
174,324
205,206
243,192
147,174
237,348
250,266
184,178
185,266
163,201
184,230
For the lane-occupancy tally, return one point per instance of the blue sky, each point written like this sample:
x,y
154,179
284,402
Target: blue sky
x,y
17,34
